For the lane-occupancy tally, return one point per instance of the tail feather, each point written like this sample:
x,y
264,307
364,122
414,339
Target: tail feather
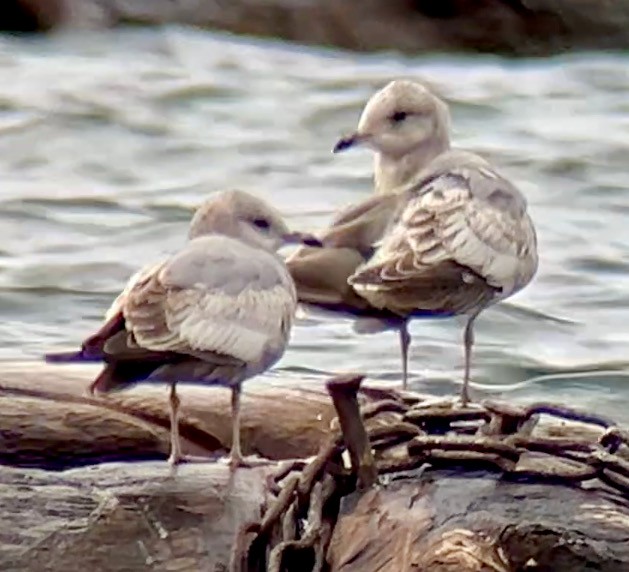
x,y
121,374
92,349
106,381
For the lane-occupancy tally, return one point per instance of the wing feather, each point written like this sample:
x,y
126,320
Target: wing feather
x,y
321,274
216,296
461,226
118,303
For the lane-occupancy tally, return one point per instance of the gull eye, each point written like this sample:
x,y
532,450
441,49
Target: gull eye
x,y
398,116
261,223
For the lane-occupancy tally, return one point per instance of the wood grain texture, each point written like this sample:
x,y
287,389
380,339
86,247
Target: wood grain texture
x,y
455,524
48,418
125,517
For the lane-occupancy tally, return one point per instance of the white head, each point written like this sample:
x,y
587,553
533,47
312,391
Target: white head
x,y
245,217
403,123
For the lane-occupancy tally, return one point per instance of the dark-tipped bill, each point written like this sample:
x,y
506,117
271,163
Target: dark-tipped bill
x,y
346,142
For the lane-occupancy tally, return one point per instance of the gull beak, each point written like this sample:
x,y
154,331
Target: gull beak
x,y
301,238
350,141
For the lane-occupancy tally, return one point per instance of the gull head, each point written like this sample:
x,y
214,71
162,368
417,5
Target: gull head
x,y
245,217
401,118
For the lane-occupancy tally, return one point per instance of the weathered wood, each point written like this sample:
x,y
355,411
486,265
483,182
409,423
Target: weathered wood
x,y
125,517
73,428
467,520
138,516
442,523
111,516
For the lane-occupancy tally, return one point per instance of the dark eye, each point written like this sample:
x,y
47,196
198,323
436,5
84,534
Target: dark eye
x,y
399,116
261,223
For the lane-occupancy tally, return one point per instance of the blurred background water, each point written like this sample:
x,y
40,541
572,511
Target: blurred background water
x,y
109,139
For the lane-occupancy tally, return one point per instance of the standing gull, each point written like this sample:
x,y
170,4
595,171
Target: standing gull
x,y
219,311
445,234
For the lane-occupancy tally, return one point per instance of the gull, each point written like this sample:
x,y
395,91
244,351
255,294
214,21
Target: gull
x,y
219,311
445,234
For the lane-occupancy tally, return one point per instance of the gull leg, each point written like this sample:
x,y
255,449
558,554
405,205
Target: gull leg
x,y
405,342
235,456
176,456
175,443
468,340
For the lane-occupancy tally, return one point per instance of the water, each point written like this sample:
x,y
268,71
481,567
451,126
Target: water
x,y
108,140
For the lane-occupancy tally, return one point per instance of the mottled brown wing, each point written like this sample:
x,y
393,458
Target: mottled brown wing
x,y
463,238
216,296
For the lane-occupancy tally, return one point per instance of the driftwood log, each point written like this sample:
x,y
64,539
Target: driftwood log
x,y
49,421
506,494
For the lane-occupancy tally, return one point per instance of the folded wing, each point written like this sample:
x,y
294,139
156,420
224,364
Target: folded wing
x,y
215,297
321,274
463,239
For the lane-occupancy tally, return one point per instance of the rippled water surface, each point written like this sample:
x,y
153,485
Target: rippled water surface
x,y
107,141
